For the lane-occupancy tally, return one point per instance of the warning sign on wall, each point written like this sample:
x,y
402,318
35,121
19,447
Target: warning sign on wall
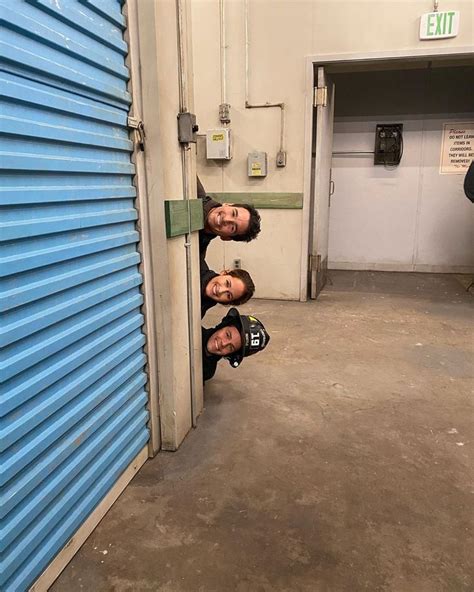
x,y
457,147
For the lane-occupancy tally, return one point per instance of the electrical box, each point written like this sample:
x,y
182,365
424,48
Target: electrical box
x,y
257,164
187,128
218,144
281,158
388,144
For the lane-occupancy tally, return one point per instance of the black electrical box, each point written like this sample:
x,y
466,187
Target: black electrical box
x,y
388,143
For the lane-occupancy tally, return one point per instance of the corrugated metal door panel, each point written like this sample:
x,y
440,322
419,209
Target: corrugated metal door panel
x,y
68,469
72,393
38,44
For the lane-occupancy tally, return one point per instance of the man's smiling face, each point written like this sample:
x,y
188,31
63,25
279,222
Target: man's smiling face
x,y
228,221
224,342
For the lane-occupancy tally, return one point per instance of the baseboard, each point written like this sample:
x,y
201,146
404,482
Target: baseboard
x,y
46,579
418,267
444,268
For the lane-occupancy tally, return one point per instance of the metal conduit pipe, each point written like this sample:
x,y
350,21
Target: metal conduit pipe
x,y
267,104
223,52
224,107
183,107
282,119
348,152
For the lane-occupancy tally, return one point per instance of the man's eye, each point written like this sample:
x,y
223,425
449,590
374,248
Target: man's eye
x,y
227,283
235,213
228,335
229,296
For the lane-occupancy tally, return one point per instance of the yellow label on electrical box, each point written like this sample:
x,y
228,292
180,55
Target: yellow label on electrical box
x,y
217,137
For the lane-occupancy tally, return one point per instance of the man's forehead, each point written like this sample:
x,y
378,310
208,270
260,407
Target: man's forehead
x,y
228,327
243,214
234,330
237,338
240,209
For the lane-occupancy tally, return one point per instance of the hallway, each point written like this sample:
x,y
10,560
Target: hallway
x,y
337,460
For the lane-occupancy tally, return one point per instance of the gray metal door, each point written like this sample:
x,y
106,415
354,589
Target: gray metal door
x,y
324,106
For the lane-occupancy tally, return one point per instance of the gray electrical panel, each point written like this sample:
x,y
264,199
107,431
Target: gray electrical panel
x,y
257,164
187,128
218,144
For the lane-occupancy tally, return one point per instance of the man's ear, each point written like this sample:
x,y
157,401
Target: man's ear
x,y
226,238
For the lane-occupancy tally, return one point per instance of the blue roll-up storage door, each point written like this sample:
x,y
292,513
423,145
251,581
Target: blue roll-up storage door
x,y
73,400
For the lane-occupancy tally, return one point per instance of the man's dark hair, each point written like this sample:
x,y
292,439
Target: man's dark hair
x,y
201,192
243,275
254,224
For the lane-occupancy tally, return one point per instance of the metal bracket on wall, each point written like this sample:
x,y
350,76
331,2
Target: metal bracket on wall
x,y
138,126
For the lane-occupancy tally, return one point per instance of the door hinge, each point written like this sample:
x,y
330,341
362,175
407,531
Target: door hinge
x,y
138,126
320,96
315,263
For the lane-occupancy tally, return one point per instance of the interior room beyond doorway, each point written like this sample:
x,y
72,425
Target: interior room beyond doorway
x,y
409,217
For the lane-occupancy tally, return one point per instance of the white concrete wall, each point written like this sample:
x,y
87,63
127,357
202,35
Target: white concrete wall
x,y
445,230
410,217
281,34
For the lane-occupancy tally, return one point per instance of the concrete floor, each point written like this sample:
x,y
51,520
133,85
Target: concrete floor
x,y
338,460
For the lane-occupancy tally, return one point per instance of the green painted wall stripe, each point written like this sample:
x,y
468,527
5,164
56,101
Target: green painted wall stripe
x,y
176,213
197,215
273,201
176,216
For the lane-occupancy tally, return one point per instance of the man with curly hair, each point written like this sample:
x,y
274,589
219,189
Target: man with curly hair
x,y
238,222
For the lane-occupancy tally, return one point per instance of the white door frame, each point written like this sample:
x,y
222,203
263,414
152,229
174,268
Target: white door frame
x,y
323,60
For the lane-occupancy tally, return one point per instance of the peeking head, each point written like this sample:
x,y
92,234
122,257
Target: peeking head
x,y
239,222
224,341
231,287
253,336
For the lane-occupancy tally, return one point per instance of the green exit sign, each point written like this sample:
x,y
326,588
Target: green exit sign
x,y
439,25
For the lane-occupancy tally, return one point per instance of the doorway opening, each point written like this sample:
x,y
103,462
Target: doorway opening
x,y
409,216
